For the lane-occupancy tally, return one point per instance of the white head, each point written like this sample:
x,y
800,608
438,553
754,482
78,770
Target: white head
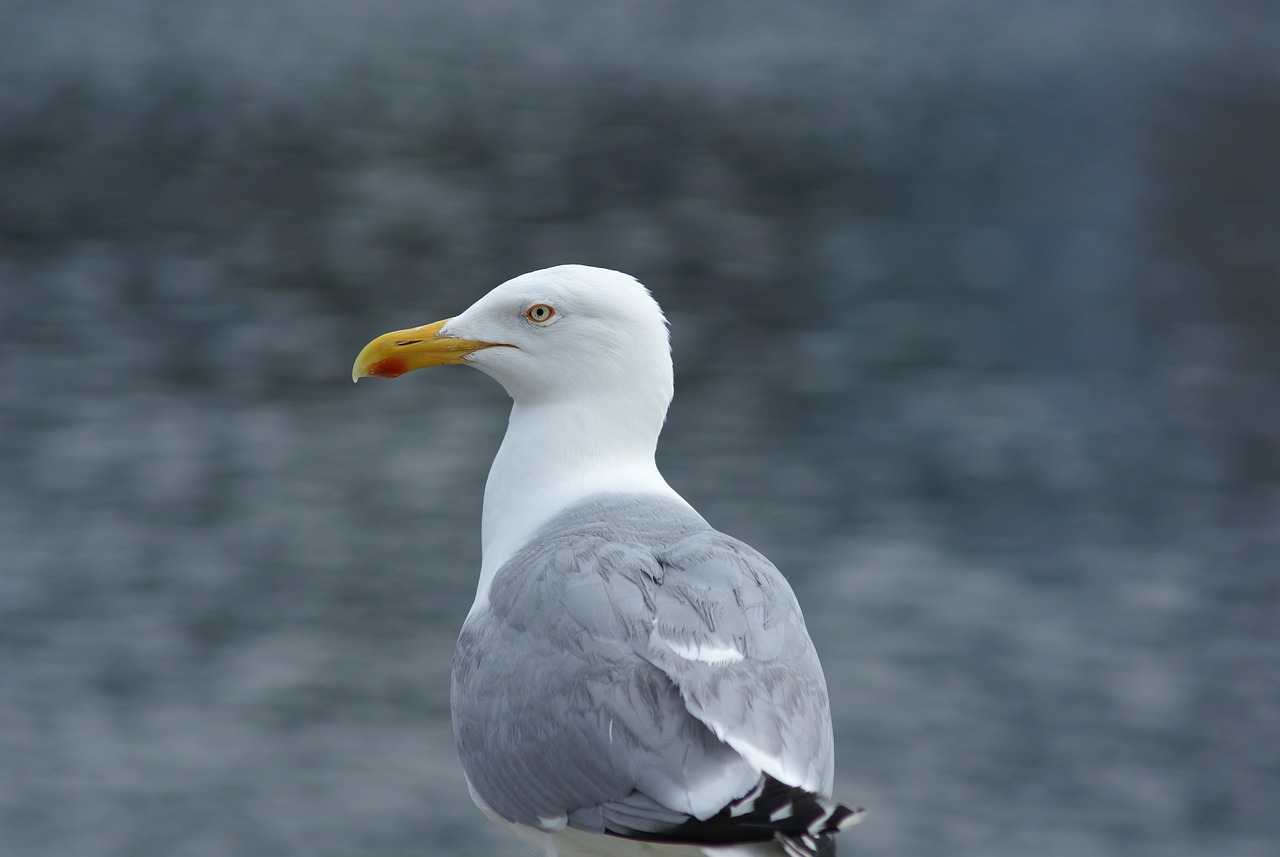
x,y
575,331
584,354
572,334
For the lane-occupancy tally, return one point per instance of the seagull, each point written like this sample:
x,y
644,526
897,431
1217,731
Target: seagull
x,y
629,681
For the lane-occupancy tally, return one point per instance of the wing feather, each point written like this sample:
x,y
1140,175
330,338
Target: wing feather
x,y
636,672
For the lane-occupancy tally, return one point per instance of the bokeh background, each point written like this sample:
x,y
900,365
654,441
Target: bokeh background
x,y
977,329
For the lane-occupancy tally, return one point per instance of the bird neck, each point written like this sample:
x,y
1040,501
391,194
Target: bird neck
x,y
553,457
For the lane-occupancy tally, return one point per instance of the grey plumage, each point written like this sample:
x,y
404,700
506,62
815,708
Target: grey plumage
x,y
629,673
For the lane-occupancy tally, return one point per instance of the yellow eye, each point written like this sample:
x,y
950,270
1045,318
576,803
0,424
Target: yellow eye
x,y
539,313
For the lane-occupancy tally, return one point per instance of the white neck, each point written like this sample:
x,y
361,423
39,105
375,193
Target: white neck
x,y
556,455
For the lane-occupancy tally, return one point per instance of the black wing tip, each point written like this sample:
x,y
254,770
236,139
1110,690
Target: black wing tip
x,y
801,822
824,844
818,840
842,818
791,810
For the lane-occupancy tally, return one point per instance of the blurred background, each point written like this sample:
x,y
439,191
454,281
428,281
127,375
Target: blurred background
x,y
976,313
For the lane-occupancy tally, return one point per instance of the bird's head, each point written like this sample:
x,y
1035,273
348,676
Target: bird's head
x,y
548,336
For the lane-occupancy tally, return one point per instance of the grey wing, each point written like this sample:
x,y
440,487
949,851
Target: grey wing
x,y
556,718
614,686
729,632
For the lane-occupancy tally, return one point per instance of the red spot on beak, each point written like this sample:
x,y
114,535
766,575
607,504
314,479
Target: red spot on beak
x,y
388,367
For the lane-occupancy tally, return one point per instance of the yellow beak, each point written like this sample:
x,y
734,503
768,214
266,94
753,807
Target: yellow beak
x,y
400,351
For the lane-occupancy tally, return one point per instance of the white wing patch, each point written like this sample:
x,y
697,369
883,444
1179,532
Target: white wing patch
x,y
805,778
712,654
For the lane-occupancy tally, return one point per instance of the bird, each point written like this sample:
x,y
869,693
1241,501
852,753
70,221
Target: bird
x,y
629,681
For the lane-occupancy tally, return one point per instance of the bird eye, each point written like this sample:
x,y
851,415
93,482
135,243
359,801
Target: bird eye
x,y
539,313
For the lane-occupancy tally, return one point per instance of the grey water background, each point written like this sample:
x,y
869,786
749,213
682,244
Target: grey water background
x,y
977,335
